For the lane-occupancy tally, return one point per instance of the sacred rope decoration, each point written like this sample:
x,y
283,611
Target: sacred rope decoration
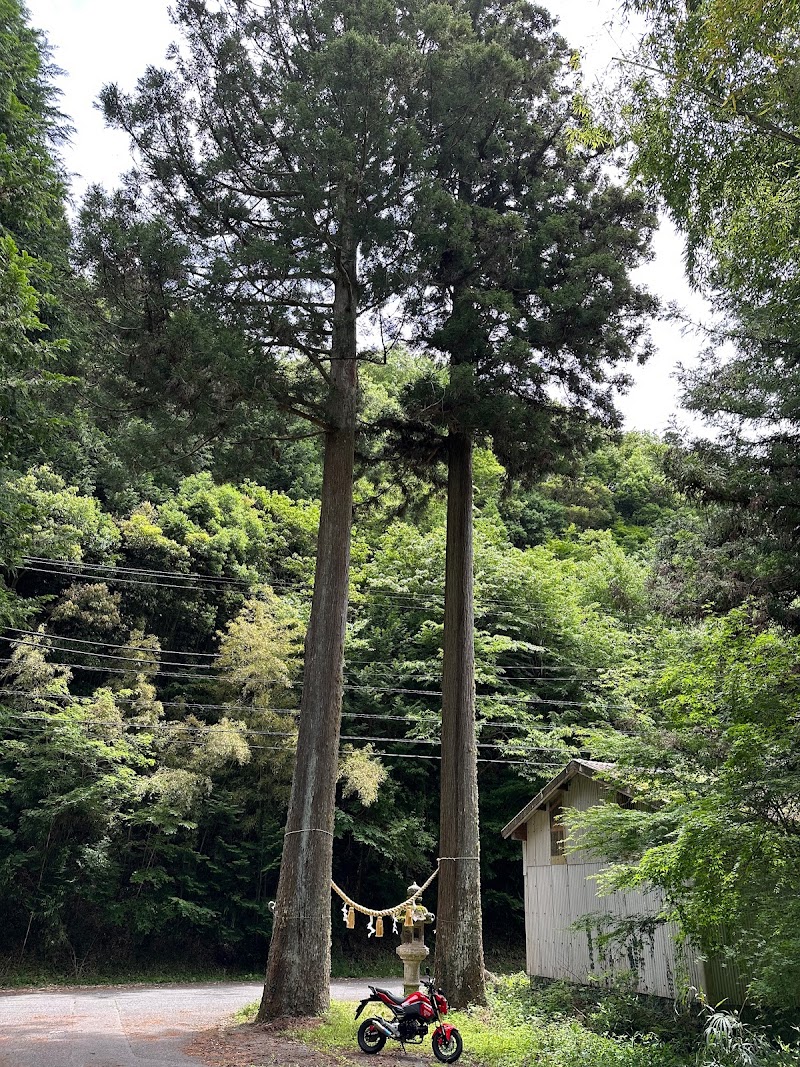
x,y
408,907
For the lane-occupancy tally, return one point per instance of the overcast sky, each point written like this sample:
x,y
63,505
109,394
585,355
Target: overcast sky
x,y
101,41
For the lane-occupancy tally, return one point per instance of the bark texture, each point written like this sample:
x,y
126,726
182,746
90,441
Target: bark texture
x,y
298,967
459,941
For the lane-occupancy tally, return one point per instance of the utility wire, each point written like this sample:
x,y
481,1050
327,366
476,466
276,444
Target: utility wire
x,y
516,671
105,655
420,597
480,724
500,698
195,575
108,644
174,727
529,763
48,641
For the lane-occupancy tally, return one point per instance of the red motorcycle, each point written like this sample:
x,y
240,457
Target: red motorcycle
x,y
409,1023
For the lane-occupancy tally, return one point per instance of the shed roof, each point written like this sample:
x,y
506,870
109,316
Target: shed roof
x,y
587,767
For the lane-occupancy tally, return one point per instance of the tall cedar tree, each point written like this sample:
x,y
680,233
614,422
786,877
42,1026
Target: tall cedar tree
x,y
279,145
34,238
526,248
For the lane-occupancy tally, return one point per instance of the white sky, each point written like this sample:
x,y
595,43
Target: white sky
x,y
100,41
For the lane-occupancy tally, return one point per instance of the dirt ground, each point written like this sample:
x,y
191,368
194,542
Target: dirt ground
x,y
250,1045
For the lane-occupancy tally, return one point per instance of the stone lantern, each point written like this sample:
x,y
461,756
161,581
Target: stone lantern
x,y
412,949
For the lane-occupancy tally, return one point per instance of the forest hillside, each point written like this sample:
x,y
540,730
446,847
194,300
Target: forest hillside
x,y
636,599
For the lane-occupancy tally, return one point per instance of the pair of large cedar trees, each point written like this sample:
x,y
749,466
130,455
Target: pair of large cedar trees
x,y
327,160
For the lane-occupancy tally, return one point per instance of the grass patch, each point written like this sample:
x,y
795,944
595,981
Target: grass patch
x,y
337,1030
162,974
247,1014
510,1032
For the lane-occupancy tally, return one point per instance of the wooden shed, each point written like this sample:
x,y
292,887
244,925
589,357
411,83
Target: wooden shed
x,y
561,890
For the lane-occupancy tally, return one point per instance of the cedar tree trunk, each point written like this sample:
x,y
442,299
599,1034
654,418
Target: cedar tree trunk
x,y
459,943
298,968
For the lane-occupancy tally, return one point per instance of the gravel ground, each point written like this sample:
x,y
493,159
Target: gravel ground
x,y
152,1026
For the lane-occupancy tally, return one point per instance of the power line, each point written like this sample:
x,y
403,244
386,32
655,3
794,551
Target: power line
x,y
136,570
501,698
505,672
421,597
174,727
159,664
519,614
364,715
209,667
104,655
109,644
51,638
124,581
531,764
118,670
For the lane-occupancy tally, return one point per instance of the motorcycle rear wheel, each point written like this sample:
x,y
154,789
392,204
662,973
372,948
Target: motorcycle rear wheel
x,y
447,1051
370,1039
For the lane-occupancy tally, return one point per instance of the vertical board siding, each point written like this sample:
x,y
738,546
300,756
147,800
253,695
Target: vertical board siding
x,y
559,894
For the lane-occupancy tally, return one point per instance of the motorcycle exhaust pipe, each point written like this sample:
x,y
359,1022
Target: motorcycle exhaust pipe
x,y
384,1028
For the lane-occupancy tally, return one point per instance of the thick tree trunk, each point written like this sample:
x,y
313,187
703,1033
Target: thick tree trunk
x,y
298,968
459,937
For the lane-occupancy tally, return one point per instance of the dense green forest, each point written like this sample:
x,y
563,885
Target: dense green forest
x,y
636,599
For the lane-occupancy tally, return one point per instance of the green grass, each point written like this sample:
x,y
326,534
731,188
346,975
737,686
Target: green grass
x,y
35,977
247,1014
510,1033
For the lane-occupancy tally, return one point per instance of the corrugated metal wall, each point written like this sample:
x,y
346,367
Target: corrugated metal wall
x,y
559,893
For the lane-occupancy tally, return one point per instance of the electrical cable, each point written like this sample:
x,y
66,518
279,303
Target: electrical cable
x,y
51,638
425,599
173,727
108,644
531,764
135,570
105,655
480,724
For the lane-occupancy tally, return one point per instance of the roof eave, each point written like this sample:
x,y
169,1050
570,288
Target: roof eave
x,y
572,769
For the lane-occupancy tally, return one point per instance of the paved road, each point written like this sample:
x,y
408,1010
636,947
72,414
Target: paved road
x,y
135,1026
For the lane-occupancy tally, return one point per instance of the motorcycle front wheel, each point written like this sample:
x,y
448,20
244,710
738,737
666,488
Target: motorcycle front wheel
x,y
370,1039
447,1051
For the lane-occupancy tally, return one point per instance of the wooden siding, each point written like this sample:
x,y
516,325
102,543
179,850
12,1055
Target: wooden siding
x,y
559,894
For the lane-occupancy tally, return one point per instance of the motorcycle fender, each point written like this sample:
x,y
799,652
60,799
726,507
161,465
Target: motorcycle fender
x,y
445,1029
361,1006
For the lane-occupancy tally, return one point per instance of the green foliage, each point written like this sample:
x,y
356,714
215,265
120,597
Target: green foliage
x,y
713,762
259,650
29,127
362,774
33,243
715,122
714,118
61,523
157,820
525,251
25,357
730,1041
622,486
168,387
508,1033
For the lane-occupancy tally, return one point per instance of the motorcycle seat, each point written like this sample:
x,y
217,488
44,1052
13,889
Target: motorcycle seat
x,y
388,993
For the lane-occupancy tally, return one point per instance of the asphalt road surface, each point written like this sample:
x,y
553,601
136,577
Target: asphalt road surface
x,y
134,1026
